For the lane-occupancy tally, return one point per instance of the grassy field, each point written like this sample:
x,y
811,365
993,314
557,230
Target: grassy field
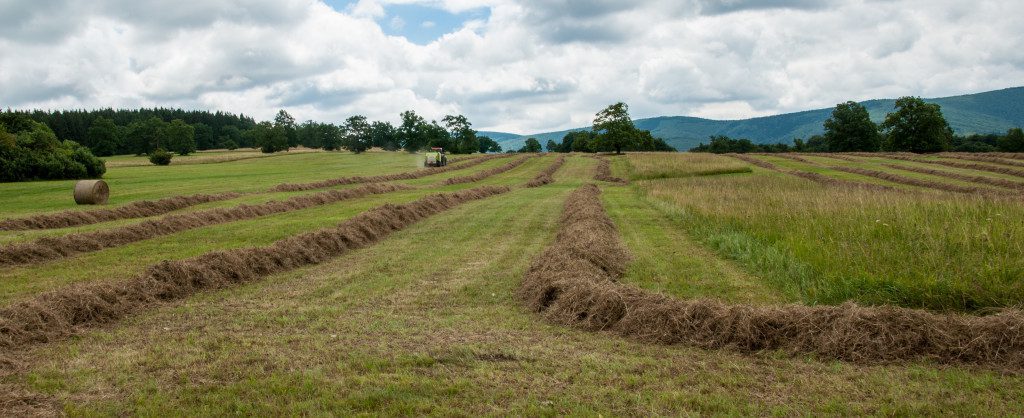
x,y
426,321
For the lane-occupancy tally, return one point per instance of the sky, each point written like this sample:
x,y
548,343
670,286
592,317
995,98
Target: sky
x,y
522,66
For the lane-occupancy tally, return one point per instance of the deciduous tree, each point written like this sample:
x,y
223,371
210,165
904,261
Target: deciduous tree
x,y
850,129
916,126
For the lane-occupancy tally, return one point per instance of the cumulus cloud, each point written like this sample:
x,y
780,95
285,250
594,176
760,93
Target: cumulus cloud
x,y
530,65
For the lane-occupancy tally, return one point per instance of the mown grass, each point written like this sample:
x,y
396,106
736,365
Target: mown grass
x,y
151,182
23,281
830,245
659,165
426,322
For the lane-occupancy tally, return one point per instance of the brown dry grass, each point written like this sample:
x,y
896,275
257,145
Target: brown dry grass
x,y
756,161
1010,184
948,163
982,158
603,172
545,177
61,312
831,155
812,176
789,156
896,178
140,209
574,282
52,248
409,175
488,173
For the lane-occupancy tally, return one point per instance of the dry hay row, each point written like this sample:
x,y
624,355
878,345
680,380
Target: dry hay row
x,y
896,178
756,161
546,176
831,155
60,312
604,172
52,248
812,176
408,175
789,157
832,181
574,282
948,163
487,173
1010,184
1010,155
139,209
982,158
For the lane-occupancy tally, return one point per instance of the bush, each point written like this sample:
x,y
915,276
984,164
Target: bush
x,y
229,145
160,157
33,152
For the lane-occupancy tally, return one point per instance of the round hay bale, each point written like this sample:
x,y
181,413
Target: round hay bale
x,y
91,192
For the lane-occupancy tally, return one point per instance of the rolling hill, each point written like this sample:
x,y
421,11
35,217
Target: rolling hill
x,y
988,112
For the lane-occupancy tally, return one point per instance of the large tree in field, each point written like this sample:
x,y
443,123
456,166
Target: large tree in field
x,y
357,134
270,137
462,134
287,123
614,129
850,129
916,126
411,131
181,137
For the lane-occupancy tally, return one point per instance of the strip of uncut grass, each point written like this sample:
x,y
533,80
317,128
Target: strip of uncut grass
x,y
575,282
420,326
201,157
828,245
659,165
668,261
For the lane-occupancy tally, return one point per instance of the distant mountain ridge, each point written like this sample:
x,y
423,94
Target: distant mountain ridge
x,y
981,113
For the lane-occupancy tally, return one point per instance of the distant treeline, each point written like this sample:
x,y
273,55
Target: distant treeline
x,y
914,126
142,131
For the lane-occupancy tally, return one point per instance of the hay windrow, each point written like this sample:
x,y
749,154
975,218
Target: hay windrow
x,y
409,175
1010,184
139,209
831,155
575,282
546,176
52,248
896,178
756,161
604,172
789,156
489,172
59,313
949,163
812,176
982,158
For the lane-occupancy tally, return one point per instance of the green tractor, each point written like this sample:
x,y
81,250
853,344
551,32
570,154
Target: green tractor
x,y
436,157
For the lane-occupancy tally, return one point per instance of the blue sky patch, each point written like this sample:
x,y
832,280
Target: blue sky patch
x,y
420,24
